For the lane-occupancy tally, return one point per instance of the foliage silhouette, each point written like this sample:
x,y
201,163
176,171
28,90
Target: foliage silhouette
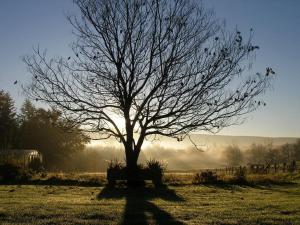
x,y
53,135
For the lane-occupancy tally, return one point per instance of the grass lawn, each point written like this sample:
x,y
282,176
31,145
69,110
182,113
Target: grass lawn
x,y
184,204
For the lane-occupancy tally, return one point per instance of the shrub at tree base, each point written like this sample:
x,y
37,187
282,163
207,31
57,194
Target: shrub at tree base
x,y
154,171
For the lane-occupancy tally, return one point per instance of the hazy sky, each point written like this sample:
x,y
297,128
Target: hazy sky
x,y
28,23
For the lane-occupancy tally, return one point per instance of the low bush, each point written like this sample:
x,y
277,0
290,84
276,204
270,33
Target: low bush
x,y
156,170
115,171
13,173
115,165
240,175
206,177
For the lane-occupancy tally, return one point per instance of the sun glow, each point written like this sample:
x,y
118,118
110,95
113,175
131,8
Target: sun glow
x,y
119,121
111,142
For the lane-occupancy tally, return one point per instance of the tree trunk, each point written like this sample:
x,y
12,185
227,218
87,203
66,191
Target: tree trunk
x,y
131,158
132,152
134,177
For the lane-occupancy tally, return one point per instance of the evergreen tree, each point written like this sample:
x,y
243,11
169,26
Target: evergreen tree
x,y
8,124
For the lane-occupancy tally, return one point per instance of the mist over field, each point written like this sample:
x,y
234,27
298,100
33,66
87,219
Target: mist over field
x,y
178,156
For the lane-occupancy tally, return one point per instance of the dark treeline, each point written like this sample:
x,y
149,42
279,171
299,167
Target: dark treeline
x,y
262,154
40,129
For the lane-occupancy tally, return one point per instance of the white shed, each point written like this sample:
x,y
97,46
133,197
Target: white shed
x,y
21,157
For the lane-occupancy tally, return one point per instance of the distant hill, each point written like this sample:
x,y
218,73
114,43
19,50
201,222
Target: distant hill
x,y
221,141
205,142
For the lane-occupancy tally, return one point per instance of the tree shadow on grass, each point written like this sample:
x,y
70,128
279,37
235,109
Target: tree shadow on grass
x,y
138,205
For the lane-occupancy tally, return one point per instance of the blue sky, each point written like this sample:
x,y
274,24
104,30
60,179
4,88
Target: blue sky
x,y
25,24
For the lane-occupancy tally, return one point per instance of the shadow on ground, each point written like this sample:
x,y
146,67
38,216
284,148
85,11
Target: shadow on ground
x,y
138,205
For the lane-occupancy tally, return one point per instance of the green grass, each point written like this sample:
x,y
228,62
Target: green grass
x,y
183,204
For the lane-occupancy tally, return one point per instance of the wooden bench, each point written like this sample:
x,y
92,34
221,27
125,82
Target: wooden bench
x,y
138,177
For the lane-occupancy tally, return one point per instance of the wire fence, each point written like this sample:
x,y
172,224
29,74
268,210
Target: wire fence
x,y
293,166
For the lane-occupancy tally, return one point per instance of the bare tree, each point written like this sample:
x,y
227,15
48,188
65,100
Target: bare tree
x,y
167,67
233,155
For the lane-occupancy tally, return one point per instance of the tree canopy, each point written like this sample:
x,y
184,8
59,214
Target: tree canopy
x,y
166,67
52,135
